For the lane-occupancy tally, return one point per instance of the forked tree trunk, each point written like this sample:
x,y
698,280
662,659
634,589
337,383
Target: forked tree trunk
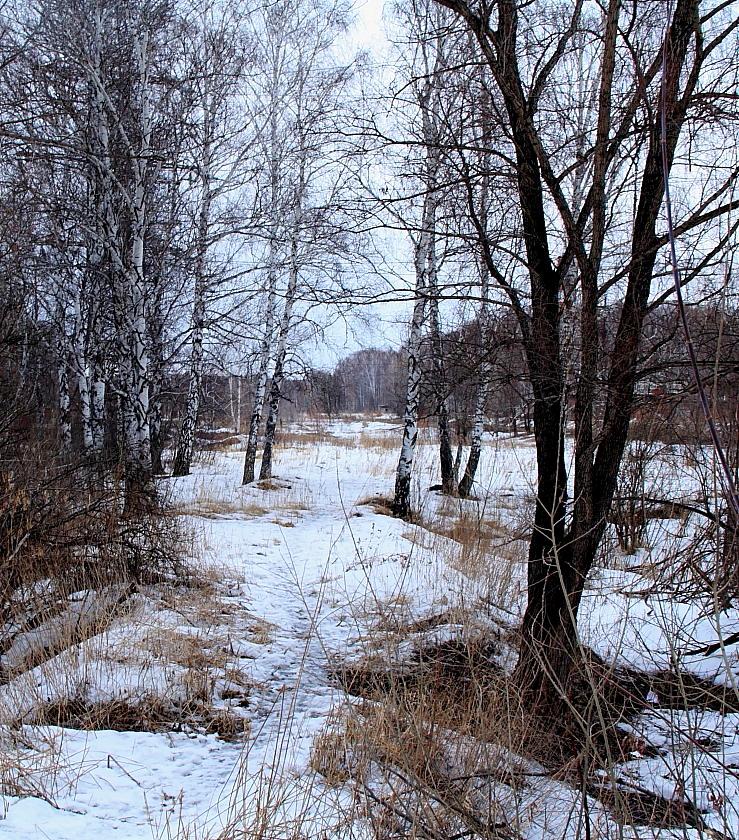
x,y
561,557
478,428
260,388
559,560
275,390
425,271
265,350
446,459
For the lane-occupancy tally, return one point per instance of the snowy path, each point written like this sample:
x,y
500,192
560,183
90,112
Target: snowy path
x,y
308,576
312,574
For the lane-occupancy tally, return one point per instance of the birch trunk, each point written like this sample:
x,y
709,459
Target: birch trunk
x,y
64,402
137,431
98,407
186,442
402,500
263,371
238,404
234,396
105,236
275,392
485,333
425,270
82,370
446,459
260,388
155,333
481,395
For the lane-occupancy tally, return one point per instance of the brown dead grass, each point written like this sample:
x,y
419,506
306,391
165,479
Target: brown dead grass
x,y
450,706
307,439
295,505
212,508
387,442
459,686
379,504
261,632
145,714
482,547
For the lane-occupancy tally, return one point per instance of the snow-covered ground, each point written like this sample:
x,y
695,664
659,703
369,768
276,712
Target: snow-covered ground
x,y
305,574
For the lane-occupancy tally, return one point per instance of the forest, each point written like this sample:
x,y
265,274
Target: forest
x,y
369,419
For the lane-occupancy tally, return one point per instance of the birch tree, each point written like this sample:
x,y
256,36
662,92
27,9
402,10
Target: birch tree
x,y
274,63
216,66
304,94
426,84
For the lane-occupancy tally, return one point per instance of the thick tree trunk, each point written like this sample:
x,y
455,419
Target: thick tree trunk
x,y
560,559
402,499
138,462
560,562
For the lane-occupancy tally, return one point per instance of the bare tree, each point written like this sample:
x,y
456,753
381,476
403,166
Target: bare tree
x,y
606,231
216,63
305,242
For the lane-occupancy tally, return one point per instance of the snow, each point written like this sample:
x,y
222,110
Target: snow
x,y
309,576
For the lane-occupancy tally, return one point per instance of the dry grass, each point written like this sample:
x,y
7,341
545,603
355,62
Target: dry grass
x,y
213,508
167,665
388,442
290,496
379,504
261,632
439,744
307,439
417,773
484,547
301,439
145,714
73,557
30,768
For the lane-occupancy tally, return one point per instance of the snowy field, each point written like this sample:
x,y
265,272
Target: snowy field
x,y
302,576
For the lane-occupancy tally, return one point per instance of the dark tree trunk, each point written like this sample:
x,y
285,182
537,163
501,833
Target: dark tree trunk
x,y
549,646
561,557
